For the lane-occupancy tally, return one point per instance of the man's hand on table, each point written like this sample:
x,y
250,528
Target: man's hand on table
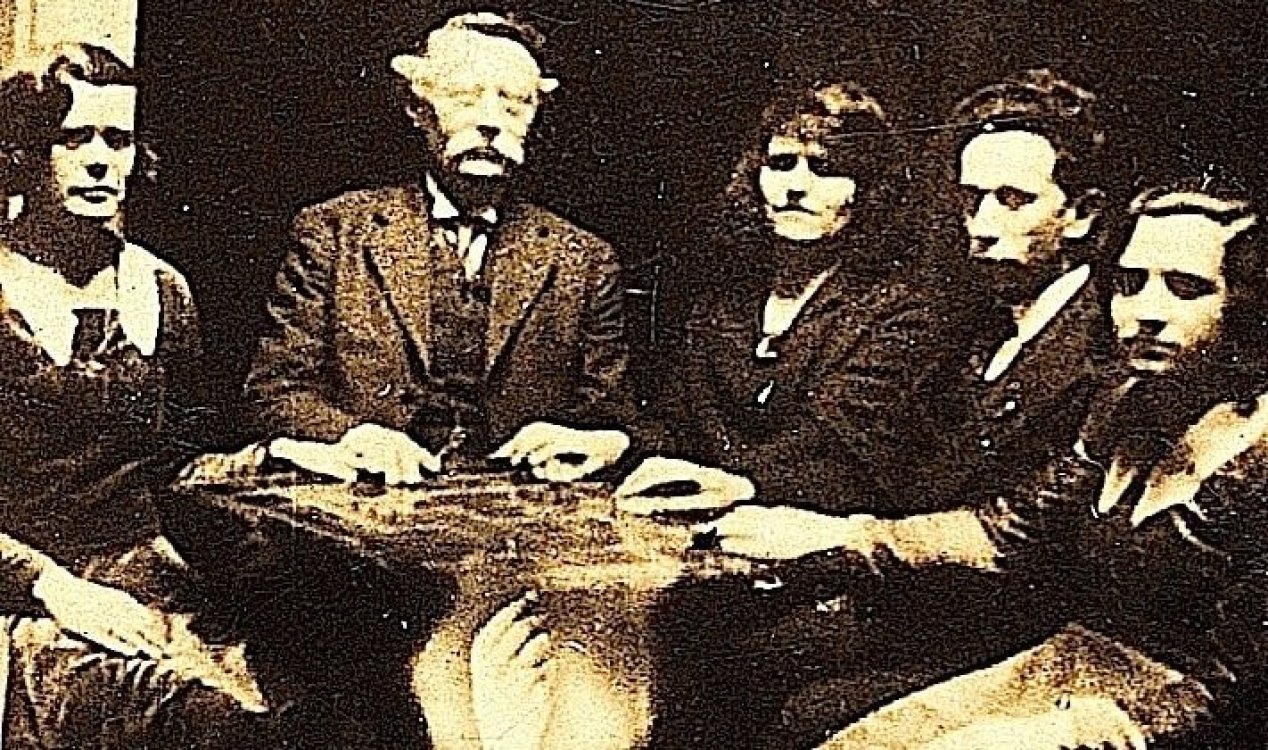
x,y
512,679
786,533
379,450
647,489
108,617
555,453
368,447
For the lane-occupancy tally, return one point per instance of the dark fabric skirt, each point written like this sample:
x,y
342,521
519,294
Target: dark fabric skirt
x,y
745,666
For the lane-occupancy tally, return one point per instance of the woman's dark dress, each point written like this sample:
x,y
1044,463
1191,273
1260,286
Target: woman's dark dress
x,y
857,394
83,446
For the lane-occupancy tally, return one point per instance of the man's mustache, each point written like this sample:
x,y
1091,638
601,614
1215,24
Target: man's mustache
x,y
95,189
485,153
792,208
1142,345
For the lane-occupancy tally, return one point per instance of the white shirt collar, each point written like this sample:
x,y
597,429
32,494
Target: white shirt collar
x,y
443,208
47,302
1210,446
1036,318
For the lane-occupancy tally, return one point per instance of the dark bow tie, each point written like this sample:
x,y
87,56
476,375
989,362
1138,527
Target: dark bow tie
x,y
478,223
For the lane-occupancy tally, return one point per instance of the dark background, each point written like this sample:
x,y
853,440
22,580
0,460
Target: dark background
x,y
260,107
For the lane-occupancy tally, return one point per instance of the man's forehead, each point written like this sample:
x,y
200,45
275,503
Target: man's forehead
x,y
1190,243
101,106
464,55
1013,158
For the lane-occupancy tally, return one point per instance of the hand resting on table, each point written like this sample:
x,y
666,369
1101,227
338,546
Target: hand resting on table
x,y
368,448
555,453
697,488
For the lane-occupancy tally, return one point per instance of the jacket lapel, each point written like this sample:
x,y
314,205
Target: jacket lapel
x,y
398,252
1210,446
818,326
522,265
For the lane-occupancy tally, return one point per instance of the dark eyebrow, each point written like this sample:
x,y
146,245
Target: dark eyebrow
x,y
1223,218
1187,276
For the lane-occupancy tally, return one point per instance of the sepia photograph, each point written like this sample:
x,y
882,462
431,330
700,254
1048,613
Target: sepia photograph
x,y
633,375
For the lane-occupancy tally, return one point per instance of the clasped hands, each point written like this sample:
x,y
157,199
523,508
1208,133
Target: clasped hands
x,y
115,621
551,452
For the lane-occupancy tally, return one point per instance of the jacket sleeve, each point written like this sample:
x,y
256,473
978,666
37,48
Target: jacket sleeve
x,y
1040,511
195,420
603,398
290,384
20,566
683,418
1240,631
854,421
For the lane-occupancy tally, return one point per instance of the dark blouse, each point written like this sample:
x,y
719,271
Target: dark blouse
x,y
81,446
834,420
1188,589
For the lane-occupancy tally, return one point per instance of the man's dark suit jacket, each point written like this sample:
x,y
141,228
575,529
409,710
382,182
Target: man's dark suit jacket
x,y
1017,424
349,342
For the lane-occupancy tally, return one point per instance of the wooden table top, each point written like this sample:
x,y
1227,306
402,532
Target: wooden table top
x,y
559,536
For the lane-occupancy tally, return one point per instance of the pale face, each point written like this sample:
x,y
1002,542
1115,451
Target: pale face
x,y
804,199
1018,211
96,152
485,92
1170,289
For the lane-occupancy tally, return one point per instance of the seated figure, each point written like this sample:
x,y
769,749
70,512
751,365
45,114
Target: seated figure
x,y
813,343
448,317
99,341
1141,551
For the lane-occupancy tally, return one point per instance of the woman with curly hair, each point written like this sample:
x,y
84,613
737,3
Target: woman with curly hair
x,y
815,352
813,337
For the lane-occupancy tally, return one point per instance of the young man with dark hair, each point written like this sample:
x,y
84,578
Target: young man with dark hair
x,y
1145,541
1026,154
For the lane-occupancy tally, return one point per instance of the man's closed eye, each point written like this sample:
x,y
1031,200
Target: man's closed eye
x,y
1187,286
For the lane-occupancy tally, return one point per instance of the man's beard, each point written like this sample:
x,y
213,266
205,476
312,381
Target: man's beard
x,y
476,192
1146,422
75,246
1014,283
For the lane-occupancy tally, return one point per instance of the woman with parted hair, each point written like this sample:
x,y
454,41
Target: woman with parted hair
x,y
96,335
815,344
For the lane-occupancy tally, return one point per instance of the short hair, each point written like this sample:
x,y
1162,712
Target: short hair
x,y
91,64
494,24
36,99
1245,262
505,26
1039,101
33,115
